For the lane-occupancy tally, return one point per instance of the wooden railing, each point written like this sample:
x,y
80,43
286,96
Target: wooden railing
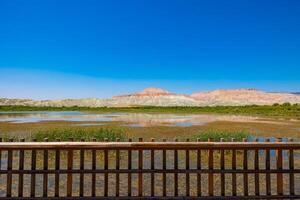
x,y
149,170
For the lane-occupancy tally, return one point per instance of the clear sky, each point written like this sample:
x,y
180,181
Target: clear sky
x,y
94,48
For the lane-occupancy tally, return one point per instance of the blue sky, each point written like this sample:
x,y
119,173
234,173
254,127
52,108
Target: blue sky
x,y
60,49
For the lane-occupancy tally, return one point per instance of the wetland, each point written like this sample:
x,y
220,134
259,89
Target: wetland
x,y
168,125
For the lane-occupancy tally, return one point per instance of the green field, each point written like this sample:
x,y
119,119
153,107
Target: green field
x,y
276,110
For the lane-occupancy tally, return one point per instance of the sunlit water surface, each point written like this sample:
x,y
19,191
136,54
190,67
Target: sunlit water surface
x,y
130,119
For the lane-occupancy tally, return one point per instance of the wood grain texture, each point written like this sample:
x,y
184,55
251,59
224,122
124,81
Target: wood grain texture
x,y
149,153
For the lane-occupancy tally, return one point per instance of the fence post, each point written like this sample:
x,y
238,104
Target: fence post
x,y
176,173
33,168
291,167
129,168
268,167
69,174
21,167
245,164
140,174
57,168
94,168
256,167
105,168
187,167
222,166
45,175
81,175
0,154
233,166
164,185
117,168
210,167
9,172
199,168
152,168
279,167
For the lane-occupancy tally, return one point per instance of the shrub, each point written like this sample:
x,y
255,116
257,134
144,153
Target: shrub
x,y
286,104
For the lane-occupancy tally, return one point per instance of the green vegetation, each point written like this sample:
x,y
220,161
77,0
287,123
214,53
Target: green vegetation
x,y
276,110
88,134
216,135
76,133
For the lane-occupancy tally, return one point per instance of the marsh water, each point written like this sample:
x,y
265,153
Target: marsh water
x,y
149,125
132,119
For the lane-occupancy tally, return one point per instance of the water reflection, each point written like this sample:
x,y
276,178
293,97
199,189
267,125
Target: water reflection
x,y
272,139
132,119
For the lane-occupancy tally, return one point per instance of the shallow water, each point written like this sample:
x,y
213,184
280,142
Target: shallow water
x,y
130,119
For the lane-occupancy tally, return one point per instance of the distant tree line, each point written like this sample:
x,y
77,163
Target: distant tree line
x,y
276,110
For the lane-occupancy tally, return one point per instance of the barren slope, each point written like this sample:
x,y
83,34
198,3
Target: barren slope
x,y
159,97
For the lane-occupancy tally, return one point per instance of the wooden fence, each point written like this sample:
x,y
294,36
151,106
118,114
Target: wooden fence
x,y
149,170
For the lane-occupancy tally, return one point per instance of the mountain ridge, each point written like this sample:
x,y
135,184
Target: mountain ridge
x,y
160,97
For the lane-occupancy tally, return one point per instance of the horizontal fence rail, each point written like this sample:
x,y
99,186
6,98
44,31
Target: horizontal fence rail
x,y
149,170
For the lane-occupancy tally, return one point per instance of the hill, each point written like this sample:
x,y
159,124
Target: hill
x,y
163,98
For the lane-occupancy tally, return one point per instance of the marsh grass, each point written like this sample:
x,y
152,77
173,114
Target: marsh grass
x,y
65,134
216,135
80,133
89,133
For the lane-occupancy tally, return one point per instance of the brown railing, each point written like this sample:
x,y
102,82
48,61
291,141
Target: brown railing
x,y
149,170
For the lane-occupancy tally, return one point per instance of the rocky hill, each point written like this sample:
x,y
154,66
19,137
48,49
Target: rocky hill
x,y
154,97
148,92
244,97
160,97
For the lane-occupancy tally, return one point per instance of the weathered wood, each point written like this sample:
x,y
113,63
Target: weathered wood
x,y
199,188
210,166
9,173
175,174
274,197
129,164
105,168
140,175
142,151
152,174
256,167
164,178
150,145
233,167
45,176
222,166
245,167
70,175
0,152
159,171
268,175
94,164
279,166
291,167
21,167
187,175
81,176
57,167
33,168
117,168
